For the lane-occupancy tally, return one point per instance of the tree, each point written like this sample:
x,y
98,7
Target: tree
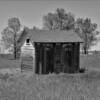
x,y
87,31
10,33
66,21
59,20
7,35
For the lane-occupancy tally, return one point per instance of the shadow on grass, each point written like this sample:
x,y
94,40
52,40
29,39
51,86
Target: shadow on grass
x,y
8,56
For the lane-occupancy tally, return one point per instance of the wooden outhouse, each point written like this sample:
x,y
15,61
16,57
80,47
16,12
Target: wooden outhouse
x,y
55,51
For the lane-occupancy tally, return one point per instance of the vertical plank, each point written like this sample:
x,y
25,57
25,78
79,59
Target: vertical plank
x,y
42,57
44,71
78,55
37,46
63,58
36,58
35,62
73,57
52,58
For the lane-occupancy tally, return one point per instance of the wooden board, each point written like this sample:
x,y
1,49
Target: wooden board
x,y
27,63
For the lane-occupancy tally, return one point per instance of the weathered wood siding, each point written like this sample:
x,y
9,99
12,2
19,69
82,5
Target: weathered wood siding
x,y
56,57
44,58
27,57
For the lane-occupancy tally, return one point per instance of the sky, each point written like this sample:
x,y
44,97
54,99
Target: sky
x,y
31,12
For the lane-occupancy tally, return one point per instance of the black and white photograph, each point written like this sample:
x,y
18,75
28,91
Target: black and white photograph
x,y
49,50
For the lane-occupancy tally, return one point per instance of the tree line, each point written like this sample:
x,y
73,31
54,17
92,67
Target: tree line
x,y
59,20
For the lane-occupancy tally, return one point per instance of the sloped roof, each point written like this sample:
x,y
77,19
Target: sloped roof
x,y
53,36
50,36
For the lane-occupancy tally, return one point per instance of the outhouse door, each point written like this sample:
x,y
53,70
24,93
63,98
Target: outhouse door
x,y
58,58
63,56
48,58
68,57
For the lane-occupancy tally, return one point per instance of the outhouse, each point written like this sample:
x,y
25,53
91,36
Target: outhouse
x,y
54,51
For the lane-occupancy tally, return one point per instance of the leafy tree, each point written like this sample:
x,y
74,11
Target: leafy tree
x,y
7,37
66,21
10,34
59,20
87,31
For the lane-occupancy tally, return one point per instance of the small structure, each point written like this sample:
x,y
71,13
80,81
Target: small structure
x,y
27,55
54,51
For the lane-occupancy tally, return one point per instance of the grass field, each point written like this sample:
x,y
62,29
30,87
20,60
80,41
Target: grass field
x,y
26,86
51,87
7,61
91,62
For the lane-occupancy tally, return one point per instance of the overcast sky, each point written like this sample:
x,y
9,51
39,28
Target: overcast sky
x,y
31,12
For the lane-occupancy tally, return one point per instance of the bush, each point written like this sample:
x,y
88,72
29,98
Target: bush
x,y
82,70
4,76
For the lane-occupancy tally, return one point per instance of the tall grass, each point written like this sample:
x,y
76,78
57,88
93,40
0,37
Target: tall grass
x,y
51,87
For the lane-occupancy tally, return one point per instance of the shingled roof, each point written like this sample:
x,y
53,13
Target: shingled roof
x,y
50,36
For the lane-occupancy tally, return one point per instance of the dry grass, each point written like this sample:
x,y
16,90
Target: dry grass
x,y
7,61
85,86
90,62
51,87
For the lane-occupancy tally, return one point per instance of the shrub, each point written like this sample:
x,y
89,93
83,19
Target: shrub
x,y
82,70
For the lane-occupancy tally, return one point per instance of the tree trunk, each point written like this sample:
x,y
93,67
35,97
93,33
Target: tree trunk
x,y
15,46
14,52
86,44
85,50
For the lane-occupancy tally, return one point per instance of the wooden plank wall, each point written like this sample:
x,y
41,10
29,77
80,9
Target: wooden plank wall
x,y
26,63
69,58
27,60
76,56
